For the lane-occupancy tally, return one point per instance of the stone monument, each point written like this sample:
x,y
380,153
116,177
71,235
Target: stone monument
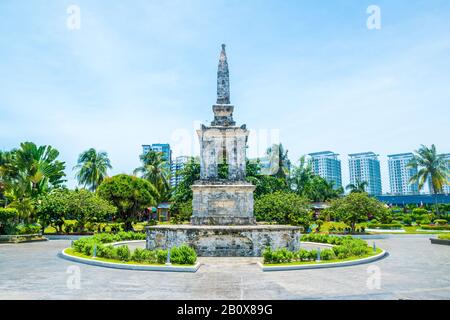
x,y
223,201
223,223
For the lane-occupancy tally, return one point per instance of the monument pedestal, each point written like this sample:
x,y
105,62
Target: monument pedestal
x,y
222,203
224,241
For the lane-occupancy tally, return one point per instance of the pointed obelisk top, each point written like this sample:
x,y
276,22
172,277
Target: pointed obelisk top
x,y
223,79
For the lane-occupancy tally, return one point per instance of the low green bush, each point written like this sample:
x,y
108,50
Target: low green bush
x,y
183,255
123,253
7,220
161,256
440,222
434,227
107,252
327,254
27,228
344,247
444,236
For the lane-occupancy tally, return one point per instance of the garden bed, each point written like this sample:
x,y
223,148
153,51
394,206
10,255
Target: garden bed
x,y
72,255
21,238
111,250
300,265
341,251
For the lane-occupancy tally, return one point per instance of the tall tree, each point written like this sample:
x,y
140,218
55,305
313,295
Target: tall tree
x,y
38,167
130,195
92,168
28,173
155,170
301,176
357,187
431,167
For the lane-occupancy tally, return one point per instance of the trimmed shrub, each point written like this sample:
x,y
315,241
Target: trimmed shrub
x,y
24,228
183,255
431,227
278,256
327,254
123,253
161,256
107,252
440,222
139,255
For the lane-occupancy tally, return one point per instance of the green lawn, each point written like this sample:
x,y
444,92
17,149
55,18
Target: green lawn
x,y
296,263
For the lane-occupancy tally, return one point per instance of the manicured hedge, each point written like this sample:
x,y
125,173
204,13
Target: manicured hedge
x,y
178,255
444,236
344,247
434,227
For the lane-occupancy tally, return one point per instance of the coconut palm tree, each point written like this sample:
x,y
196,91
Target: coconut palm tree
x,y
156,170
301,176
431,167
92,168
357,187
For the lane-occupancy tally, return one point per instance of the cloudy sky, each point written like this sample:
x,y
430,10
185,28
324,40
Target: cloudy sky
x,y
308,72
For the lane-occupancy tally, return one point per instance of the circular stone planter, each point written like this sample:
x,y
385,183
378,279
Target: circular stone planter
x,y
324,265
128,266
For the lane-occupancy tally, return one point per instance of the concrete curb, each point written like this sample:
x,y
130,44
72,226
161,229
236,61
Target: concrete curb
x,y
124,266
126,242
319,244
324,265
386,230
444,242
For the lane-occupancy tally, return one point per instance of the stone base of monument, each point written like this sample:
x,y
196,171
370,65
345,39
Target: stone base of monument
x,y
224,241
222,202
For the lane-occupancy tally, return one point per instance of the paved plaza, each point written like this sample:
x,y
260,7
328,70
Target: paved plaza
x,y
414,269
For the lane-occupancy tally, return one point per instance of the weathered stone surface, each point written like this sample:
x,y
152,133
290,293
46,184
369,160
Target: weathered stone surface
x,y
224,241
223,79
222,203
222,144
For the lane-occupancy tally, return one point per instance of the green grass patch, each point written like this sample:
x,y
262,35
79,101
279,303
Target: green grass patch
x,y
444,236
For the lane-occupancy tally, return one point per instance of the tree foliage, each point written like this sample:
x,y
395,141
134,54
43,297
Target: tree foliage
x,y
357,207
130,195
157,171
92,168
283,208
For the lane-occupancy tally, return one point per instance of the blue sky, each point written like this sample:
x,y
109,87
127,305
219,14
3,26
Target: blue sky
x,y
139,72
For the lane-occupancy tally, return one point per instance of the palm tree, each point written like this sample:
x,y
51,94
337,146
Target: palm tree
x,y
280,163
357,187
431,167
156,170
301,176
92,168
38,168
27,173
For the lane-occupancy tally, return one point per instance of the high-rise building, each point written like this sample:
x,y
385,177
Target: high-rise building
x,y
366,167
400,174
327,165
175,169
164,148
